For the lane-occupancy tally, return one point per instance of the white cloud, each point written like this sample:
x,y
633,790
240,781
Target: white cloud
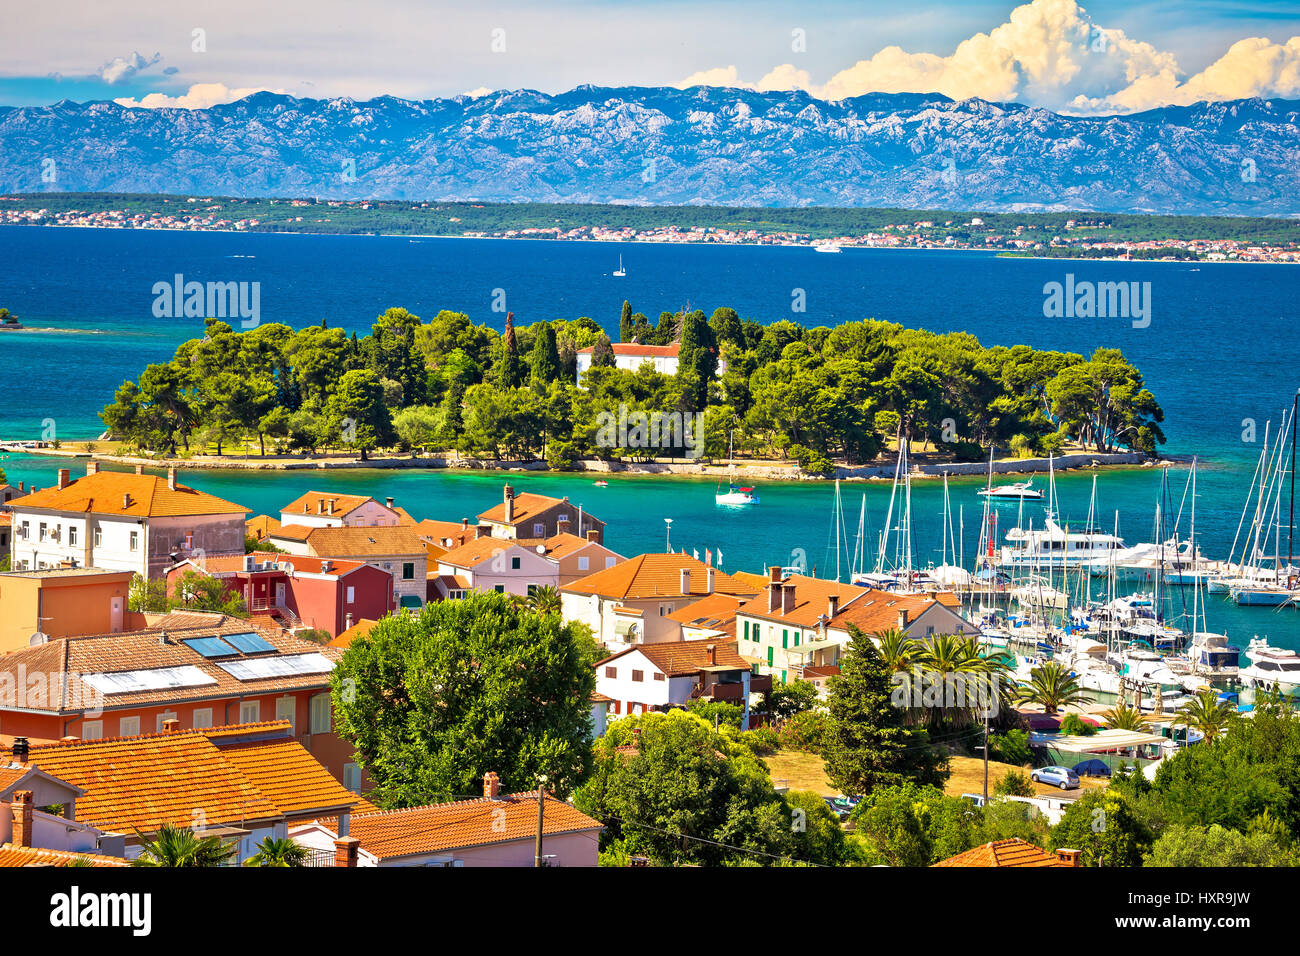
x,y
1050,53
122,68
199,97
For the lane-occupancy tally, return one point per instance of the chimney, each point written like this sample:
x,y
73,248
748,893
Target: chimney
x,y
832,605
331,511
510,503
787,598
347,621
22,487
306,507
902,619
390,503
708,581
326,566
713,655
774,596
345,851
1068,857
483,531
686,580
139,469
63,477
92,467
320,506
562,526
126,499
20,750
171,478
774,573
21,806
593,535
171,725
464,524
163,638
491,785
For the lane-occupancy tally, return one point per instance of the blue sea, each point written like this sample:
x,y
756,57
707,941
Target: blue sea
x,y
1218,354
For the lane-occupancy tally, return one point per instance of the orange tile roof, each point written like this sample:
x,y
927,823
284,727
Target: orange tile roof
x,y
755,581
309,503
214,776
11,855
716,612
635,348
288,775
1013,852
811,600
878,611
560,545
306,564
85,655
261,526
292,532
528,506
147,497
441,531
452,826
655,575
473,553
682,658
359,629
371,542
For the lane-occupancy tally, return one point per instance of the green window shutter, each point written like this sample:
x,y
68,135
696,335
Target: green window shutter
x,y
769,657
785,637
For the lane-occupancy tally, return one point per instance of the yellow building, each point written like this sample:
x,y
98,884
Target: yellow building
x,y
59,602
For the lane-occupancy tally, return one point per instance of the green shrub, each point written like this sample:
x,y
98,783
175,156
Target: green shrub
x,y
725,713
810,462
1076,726
1011,747
808,731
761,741
1014,783
560,456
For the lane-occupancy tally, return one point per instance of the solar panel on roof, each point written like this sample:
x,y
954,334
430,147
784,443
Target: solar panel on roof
x,y
209,646
158,678
290,665
249,642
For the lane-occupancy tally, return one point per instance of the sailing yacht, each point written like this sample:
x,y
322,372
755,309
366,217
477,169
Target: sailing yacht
x,y
734,495
1016,491
621,271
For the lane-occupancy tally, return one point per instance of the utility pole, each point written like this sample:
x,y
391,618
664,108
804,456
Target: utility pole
x,y
986,756
541,810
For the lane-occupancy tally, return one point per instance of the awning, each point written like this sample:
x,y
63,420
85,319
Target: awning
x,y
410,600
1103,741
625,628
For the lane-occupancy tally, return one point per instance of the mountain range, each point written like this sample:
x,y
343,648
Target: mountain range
x,y
652,145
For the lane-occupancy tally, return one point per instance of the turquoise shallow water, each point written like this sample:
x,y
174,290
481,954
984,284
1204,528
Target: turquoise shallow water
x,y
1217,352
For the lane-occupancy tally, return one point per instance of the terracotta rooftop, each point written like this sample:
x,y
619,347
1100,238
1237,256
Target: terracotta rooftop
x,y
450,826
80,658
527,506
318,502
558,545
11,855
683,658
717,612
380,542
655,575
635,348
1012,852
219,776
233,563
145,496
359,629
878,611
444,531
811,600
261,526
473,553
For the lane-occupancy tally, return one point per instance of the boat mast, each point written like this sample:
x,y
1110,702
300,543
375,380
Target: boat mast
x,y
1290,532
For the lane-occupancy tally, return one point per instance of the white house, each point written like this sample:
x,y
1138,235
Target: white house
x,y
631,356
502,565
119,521
655,677
318,509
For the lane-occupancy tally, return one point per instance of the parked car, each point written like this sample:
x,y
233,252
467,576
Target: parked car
x,y
839,806
1062,777
975,798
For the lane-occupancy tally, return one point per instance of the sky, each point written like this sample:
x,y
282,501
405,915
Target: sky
x,y
1106,56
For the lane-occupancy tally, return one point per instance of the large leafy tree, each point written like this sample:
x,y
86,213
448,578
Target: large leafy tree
x,y
870,744
358,413
434,702
1103,826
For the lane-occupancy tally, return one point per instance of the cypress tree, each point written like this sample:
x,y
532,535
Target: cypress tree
x,y
625,323
510,371
545,360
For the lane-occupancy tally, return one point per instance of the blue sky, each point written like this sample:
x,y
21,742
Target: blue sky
x,y
130,50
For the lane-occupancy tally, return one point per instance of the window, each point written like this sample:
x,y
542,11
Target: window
x,y
320,714
135,540
250,711
611,672
539,530
99,537
561,517
610,562
746,630
189,540
659,676
583,564
72,536
500,589
163,717
408,570
533,589
352,777
92,730
43,531
638,676
285,709
352,594
785,637
128,727
202,717
514,563
25,530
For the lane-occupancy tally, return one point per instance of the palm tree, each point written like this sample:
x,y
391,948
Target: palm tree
x,y
1125,717
178,846
952,664
545,600
897,650
1051,685
278,851
1207,713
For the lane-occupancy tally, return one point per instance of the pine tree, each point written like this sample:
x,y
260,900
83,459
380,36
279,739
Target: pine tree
x,y
602,353
870,745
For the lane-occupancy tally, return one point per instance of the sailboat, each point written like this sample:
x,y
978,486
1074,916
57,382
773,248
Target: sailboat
x,y
621,271
734,495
